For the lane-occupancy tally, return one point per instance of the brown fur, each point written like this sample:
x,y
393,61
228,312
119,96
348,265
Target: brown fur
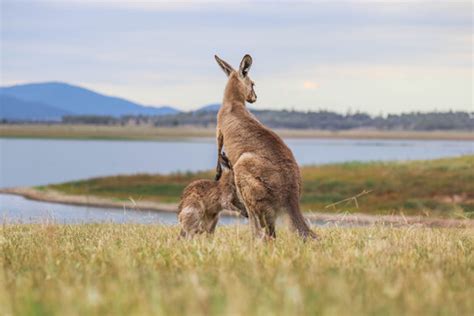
x,y
203,200
266,174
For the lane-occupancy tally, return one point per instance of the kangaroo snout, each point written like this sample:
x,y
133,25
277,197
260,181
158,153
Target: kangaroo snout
x,y
253,99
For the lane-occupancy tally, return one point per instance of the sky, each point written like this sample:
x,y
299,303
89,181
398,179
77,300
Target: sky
x,y
373,56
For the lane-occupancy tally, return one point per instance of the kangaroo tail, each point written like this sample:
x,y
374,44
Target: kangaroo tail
x,y
298,221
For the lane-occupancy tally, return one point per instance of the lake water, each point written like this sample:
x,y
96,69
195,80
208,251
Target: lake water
x,y
28,162
17,209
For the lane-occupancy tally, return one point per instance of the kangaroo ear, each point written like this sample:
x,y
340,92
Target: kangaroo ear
x,y
245,65
225,66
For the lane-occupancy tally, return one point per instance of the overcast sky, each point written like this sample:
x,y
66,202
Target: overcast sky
x,y
372,56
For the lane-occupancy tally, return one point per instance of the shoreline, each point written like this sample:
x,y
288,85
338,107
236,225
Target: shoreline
x,y
356,219
52,196
104,132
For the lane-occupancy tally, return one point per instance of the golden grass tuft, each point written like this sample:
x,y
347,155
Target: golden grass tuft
x,y
138,269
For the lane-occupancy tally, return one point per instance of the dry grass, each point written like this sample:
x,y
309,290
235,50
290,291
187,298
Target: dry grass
x,y
136,270
102,132
147,132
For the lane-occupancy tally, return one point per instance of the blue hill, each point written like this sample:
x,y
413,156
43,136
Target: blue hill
x,y
213,107
209,108
80,101
167,110
14,109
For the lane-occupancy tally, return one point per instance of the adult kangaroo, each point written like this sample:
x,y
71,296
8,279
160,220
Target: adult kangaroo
x,y
267,177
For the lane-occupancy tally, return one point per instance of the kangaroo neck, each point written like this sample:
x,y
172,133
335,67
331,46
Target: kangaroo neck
x,y
234,92
226,181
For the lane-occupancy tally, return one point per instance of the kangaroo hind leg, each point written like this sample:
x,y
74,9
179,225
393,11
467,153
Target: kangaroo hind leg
x,y
254,220
269,222
260,213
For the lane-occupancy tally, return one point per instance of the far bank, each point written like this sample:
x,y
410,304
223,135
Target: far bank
x,y
147,132
442,188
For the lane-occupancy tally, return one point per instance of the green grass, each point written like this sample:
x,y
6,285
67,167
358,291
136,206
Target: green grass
x,y
116,269
159,188
443,187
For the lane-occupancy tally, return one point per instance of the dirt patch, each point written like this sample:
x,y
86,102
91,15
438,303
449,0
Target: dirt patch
x,y
390,220
455,199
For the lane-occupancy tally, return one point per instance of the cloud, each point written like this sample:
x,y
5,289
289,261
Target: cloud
x,y
160,52
310,85
156,6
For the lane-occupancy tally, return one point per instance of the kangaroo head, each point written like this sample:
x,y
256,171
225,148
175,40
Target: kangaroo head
x,y
224,161
227,176
245,84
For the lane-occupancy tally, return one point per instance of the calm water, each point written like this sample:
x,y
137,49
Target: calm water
x,y
27,162
17,209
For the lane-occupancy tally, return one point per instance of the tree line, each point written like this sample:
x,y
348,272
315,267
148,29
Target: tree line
x,y
322,120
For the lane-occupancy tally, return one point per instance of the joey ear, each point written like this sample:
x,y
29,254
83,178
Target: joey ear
x,y
245,65
225,66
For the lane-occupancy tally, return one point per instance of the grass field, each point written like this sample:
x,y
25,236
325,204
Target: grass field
x,y
111,269
145,132
442,187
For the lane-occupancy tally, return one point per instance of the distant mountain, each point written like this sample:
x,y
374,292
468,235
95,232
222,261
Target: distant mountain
x,y
79,101
14,109
167,110
209,108
213,108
